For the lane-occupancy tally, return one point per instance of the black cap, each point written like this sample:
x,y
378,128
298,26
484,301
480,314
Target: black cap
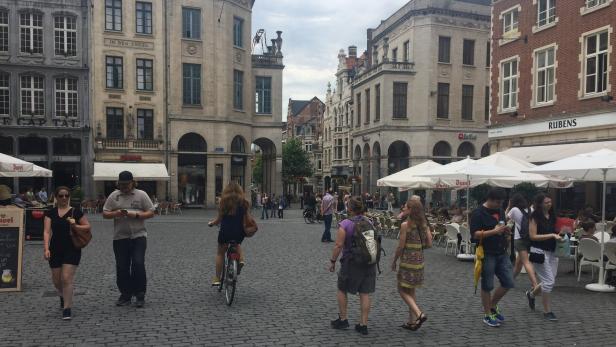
x,y
125,176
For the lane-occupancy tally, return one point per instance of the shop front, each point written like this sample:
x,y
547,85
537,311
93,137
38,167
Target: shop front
x,y
150,177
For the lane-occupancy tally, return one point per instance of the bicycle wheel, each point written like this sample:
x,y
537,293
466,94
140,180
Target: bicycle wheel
x,y
223,275
231,281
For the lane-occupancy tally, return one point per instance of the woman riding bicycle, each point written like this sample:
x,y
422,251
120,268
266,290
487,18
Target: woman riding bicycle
x,y
231,212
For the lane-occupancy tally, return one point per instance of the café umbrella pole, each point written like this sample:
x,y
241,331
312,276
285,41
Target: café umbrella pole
x,y
467,250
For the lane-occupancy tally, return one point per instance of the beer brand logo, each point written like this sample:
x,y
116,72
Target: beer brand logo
x,y
18,167
6,220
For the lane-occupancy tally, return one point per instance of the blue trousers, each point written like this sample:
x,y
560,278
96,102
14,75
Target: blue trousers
x,y
327,220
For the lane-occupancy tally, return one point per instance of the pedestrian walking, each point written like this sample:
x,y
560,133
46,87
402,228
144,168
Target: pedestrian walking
x,y
281,206
233,207
518,212
58,246
301,201
488,228
390,202
327,210
273,202
543,237
414,237
264,205
129,207
352,278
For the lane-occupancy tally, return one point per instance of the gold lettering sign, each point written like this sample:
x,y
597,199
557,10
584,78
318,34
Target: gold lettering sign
x,y
129,44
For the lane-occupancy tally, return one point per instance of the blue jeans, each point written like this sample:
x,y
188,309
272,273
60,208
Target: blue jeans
x,y
327,219
499,265
264,213
130,266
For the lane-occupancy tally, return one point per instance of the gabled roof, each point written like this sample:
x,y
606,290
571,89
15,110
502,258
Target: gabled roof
x,y
297,106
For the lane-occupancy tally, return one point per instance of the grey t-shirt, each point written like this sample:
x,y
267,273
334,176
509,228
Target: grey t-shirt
x,y
135,201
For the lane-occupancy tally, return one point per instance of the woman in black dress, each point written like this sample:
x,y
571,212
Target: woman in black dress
x,y
63,257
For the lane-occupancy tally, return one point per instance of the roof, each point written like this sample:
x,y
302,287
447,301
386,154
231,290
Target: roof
x,y
478,2
297,106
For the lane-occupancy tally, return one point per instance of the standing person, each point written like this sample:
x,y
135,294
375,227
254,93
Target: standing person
x,y
281,206
264,204
272,205
390,202
301,201
352,278
258,201
518,209
327,210
129,207
59,250
414,234
42,195
233,207
30,195
488,227
543,236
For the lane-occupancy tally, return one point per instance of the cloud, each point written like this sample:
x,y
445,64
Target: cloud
x,y
313,33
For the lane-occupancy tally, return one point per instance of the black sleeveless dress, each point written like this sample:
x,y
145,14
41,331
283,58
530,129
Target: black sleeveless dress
x,y
61,245
232,227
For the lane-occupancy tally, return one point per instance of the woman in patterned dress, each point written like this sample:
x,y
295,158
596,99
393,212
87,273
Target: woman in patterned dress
x,y
414,236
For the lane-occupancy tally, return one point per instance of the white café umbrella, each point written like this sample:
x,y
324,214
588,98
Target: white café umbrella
x,y
509,162
469,172
597,166
408,178
10,166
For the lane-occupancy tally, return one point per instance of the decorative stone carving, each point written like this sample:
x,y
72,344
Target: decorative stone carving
x,y
279,43
191,49
237,57
444,71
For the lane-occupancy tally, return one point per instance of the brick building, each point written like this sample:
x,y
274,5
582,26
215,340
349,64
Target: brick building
x,y
551,79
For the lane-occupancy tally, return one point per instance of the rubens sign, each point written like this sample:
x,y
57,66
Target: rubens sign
x,y
548,126
562,124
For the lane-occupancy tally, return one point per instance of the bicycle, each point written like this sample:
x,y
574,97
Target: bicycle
x,y
230,271
309,216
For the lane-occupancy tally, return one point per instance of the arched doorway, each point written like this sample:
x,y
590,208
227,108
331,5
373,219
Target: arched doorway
x,y
466,149
398,155
66,173
485,150
192,168
441,152
264,174
327,181
238,161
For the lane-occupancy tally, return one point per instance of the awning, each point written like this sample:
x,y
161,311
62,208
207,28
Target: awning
x,y
140,171
545,154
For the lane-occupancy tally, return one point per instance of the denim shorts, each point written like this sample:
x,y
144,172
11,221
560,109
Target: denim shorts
x,y
498,265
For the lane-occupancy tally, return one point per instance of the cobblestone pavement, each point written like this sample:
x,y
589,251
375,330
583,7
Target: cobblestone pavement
x,y
285,297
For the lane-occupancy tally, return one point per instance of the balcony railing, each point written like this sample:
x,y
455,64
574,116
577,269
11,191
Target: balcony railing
x,y
150,145
267,61
389,66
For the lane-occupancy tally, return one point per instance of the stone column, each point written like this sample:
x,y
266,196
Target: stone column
x,y
277,174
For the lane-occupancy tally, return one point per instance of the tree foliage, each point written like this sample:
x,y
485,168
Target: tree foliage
x,y
257,171
528,191
295,161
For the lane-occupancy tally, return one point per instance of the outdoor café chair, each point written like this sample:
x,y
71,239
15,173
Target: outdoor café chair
x,y
591,255
451,234
466,239
606,236
610,252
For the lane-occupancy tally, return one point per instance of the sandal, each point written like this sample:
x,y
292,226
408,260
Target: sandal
x,y
409,326
420,320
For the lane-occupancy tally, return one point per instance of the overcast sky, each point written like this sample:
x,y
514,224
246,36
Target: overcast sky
x,y
313,33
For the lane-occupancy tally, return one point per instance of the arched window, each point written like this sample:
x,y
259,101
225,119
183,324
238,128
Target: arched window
x,y
238,145
192,142
466,149
485,150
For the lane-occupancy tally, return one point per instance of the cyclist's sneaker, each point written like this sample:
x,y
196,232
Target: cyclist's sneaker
x,y
123,301
490,320
66,314
340,324
362,329
497,313
240,266
550,316
531,299
215,281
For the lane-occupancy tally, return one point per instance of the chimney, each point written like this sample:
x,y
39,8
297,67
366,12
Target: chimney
x,y
353,51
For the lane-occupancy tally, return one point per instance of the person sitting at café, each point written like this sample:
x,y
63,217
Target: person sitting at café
x,y
589,227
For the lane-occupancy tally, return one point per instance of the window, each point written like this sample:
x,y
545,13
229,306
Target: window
x,y
406,51
596,62
113,15
115,72
468,52
509,88
486,105
115,123
367,106
238,32
145,75
467,102
31,33
66,97
444,44
544,76
546,12
263,96
442,101
191,23
594,3
394,55
4,31
346,148
238,89
143,17
145,124
339,149
5,105
510,21
400,90
65,33
191,84
358,109
377,103
488,49
32,95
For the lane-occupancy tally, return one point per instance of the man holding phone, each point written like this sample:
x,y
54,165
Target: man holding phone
x,y
129,208
487,226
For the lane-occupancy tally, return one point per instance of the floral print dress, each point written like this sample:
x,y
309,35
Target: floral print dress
x,y
411,271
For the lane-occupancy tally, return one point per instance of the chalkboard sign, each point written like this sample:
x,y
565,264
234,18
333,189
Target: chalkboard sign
x,y
11,248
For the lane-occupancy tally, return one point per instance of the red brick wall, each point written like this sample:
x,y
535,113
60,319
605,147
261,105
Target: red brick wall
x,y
571,24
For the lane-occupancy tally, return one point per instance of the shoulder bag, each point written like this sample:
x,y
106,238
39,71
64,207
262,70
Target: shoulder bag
x,y
250,225
80,238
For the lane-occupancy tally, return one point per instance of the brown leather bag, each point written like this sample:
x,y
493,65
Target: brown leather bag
x,y
80,238
250,225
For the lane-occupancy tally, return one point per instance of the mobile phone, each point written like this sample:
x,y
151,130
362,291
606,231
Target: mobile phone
x,y
124,211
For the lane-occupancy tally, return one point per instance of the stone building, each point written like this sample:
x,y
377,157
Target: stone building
x,y
44,89
552,83
200,116
422,91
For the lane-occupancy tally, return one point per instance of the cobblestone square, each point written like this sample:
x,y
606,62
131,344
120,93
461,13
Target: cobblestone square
x,y
285,296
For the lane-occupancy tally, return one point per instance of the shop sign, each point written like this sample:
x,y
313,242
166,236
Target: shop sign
x,y
129,44
467,136
40,122
551,126
219,149
236,159
130,157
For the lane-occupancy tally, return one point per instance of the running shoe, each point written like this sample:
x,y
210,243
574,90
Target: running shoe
x,y
497,314
490,320
550,316
215,281
362,329
531,299
340,324
66,314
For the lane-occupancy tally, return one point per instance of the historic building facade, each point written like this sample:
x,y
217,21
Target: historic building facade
x,y
44,90
422,91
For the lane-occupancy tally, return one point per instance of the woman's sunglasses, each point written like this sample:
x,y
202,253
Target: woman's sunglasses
x,y
63,195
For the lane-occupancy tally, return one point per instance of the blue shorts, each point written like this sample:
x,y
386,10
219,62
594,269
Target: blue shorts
x,y
499,265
